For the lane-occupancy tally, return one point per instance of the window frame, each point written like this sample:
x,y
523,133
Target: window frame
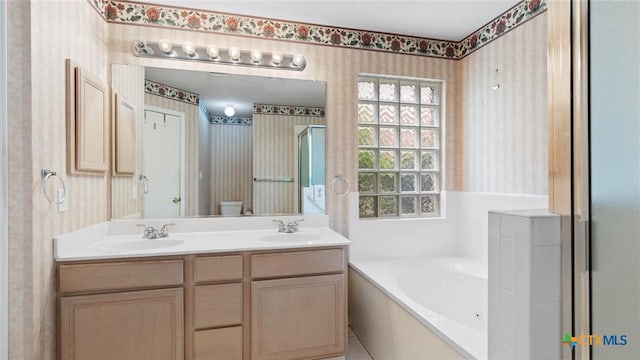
x,y
377,150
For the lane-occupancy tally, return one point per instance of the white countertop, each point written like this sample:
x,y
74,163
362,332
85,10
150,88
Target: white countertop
x,y
90,245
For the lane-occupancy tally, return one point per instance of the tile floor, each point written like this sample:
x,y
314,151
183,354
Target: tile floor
x,y
356,350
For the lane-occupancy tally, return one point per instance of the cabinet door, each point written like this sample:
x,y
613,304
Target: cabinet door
x,y
298,318
218,344
133,325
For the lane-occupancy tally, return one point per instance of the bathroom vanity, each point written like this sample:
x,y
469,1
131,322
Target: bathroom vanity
x,y
250,294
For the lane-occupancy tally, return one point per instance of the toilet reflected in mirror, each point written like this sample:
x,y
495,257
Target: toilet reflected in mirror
x,y
230,208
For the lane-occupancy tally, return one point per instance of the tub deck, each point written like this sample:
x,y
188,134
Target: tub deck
x,y
403,326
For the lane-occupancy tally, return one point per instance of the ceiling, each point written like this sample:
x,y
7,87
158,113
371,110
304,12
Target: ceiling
x,y
218,90
439,19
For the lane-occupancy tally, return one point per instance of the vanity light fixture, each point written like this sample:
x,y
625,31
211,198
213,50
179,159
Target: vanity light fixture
x,y
213,51
276,58
229,110
165,46
256,56
234,53
298,60
164,49
189,48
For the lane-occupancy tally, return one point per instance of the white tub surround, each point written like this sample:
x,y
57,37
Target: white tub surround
x,y
434,292
446,288
123,238
461,231
524,285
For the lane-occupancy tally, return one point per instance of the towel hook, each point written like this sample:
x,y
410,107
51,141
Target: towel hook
x,y
47,174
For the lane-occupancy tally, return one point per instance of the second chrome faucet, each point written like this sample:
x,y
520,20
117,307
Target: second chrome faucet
x,y
290,227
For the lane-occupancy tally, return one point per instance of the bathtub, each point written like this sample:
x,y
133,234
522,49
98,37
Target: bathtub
x,y
426,307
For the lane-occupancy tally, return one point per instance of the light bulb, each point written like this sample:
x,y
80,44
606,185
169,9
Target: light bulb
x,y
256,56
234,53
213,51
229,110
165,46
189,48
298,60
276,58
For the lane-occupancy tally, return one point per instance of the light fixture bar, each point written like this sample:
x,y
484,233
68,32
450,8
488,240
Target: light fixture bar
x,y
191,52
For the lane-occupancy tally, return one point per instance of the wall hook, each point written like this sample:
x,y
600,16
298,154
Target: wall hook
x,y
496,84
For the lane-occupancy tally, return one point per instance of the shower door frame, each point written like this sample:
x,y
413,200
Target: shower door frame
x,y
300,197
568,69
4,213
581,176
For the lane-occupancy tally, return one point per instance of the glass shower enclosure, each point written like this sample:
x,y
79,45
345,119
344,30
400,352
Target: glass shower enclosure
x,y
311,170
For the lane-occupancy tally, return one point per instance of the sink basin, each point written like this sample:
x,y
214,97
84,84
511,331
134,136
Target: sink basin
x,y
291,237
143,244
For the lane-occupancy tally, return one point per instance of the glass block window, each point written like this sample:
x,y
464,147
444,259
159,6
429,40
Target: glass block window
x,y
399,147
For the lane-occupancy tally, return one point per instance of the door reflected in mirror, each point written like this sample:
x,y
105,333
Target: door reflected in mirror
x,y
267,158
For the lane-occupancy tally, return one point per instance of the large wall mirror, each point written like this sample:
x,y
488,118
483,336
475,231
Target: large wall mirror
x,y
213,144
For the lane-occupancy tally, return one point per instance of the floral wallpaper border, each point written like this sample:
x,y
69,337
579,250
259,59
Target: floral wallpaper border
x,y
225,120
154,88
266,109
136,13
507,21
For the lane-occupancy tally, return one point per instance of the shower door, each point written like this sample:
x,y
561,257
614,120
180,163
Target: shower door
x,y
614,61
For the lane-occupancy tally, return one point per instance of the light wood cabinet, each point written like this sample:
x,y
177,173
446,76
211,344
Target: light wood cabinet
x,y
133,325
125,150
271,305
218,305
218,344
87,108
74,278
298,318
297,263
218,268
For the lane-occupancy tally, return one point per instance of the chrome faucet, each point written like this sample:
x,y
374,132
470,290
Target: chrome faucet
x,y
152,233
289,228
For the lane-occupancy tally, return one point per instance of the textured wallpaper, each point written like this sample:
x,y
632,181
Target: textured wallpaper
x,y
231,165
503,135
204,164
42,34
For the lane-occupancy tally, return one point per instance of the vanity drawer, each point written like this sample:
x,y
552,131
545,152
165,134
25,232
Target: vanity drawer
x,y
218,344
297,263
218,268
119,276
218,305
